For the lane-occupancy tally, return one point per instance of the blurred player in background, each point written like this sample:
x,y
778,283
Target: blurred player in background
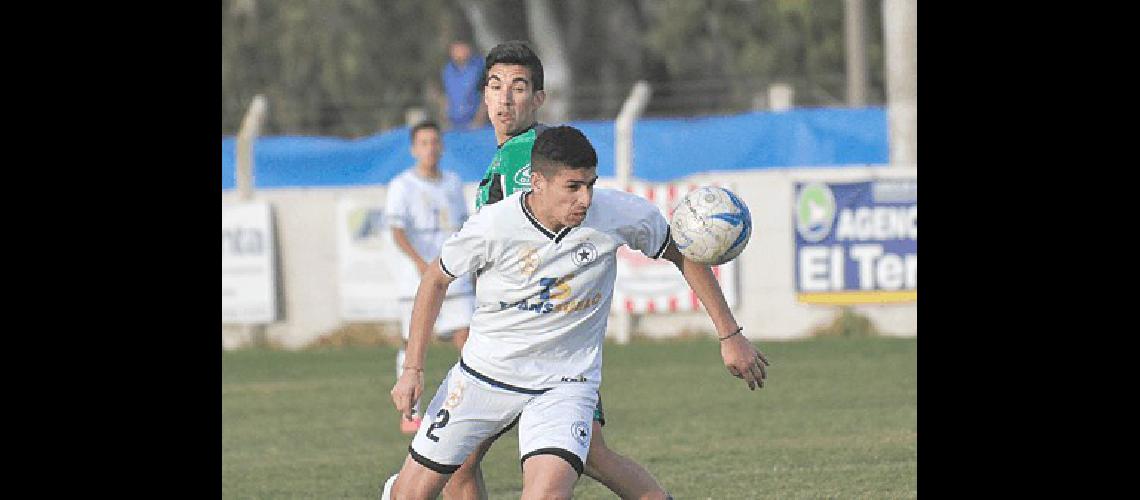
x,y
462,78
545,267
425,205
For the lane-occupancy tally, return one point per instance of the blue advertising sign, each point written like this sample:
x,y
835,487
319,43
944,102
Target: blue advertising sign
x,y
857,242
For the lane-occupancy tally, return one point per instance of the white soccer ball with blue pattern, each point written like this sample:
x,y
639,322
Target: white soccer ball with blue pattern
x,y
711,225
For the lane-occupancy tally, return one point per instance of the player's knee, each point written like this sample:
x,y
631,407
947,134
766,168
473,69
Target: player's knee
x,y
547,492
416,481
407,488
548,476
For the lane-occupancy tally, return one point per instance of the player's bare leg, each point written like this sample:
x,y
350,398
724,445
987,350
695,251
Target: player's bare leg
x,y
623,476
467,481
415,481
548,477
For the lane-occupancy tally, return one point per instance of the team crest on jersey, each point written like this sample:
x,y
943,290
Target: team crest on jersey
x,y
584,253
581,432
522,177
455,396
528,258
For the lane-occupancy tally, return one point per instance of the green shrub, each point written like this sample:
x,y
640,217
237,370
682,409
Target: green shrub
x,y
848,324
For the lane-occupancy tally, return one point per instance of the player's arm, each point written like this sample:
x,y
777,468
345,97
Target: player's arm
x,y
741,358
429,299
398,218
463,253
401,238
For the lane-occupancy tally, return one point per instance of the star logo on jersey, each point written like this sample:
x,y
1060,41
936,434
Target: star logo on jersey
x,y
584,253
581,432
522,177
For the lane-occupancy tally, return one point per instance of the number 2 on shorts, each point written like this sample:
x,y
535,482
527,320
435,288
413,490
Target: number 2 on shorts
x,y
440,421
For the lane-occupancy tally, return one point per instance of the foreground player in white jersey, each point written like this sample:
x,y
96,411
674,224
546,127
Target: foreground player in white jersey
x,y
545,266
425,206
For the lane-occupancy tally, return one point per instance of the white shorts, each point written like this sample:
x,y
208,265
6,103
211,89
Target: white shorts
x,y
455,313
469,407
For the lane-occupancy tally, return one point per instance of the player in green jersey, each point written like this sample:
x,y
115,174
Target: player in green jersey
x,y
513,94
510,168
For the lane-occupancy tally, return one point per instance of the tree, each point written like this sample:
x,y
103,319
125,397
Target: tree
x,y
354,67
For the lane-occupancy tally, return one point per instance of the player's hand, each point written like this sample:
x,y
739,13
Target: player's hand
x,y
407,391
743,360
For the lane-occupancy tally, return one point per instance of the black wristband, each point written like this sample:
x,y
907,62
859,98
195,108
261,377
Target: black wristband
x,y
733,334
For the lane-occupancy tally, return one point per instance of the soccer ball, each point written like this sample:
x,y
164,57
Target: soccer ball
x,y
711,225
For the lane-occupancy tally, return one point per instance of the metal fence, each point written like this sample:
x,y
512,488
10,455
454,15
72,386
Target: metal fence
x,y
356,118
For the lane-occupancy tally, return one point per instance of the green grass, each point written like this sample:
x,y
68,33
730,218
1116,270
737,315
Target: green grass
x,y
837,418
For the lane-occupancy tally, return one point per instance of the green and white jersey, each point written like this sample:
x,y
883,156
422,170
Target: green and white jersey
x,y
543,298
510,168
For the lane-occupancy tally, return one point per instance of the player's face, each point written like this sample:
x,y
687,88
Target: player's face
x,y
512,102
427,147
567,196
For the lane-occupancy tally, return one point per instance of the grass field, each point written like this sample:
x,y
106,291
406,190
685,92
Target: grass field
x,y
837,418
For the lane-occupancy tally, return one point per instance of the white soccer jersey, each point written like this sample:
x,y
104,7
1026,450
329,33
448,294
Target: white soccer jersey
x,y
543,298
429,211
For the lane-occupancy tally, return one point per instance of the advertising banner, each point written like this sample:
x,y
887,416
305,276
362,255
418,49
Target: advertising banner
x,y
647,285
365,252
249,293
856,242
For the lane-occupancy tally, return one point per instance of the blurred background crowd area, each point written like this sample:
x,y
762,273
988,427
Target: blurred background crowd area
x,y
353,68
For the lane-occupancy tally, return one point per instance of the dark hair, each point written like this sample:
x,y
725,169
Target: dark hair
x,y
561,147
422,125
515,52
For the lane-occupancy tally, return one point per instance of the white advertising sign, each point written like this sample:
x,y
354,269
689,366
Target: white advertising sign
x,y
249,293
364,253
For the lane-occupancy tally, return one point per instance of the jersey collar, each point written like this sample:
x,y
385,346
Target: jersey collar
x,y
538,225
523,131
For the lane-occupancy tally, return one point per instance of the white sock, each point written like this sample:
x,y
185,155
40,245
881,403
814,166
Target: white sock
x,y
387,493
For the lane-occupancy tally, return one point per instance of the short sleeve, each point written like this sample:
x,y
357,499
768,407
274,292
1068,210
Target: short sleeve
x,y
467,250
646,229
395,207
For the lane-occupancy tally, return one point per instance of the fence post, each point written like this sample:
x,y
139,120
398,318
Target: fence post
x,y
623,168
250,129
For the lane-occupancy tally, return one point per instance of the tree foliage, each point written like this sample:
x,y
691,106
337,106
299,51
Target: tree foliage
x,y
354,67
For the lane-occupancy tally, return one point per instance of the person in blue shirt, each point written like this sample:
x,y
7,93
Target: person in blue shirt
x,y
462,76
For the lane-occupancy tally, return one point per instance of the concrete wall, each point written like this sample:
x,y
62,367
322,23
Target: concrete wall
x,y
307,256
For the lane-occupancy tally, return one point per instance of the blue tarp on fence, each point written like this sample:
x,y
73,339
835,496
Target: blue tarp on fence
x,y
665,149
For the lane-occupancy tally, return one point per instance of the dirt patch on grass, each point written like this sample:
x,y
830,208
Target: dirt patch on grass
x,y
360,335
